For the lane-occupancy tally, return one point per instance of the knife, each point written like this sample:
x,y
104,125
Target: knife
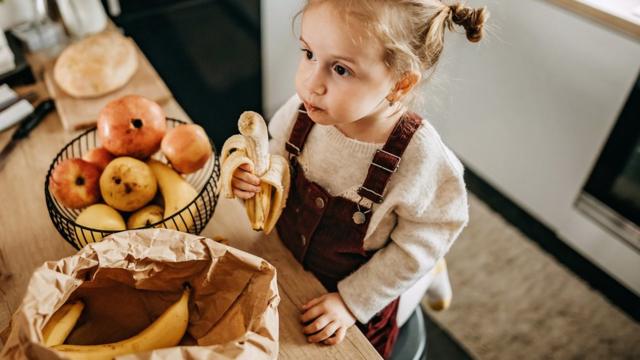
x,y
28,124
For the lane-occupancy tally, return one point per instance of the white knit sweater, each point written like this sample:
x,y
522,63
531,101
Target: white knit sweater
x,y
424,209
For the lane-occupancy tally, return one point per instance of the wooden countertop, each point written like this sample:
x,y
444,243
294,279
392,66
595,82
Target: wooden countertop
x,y
614,14
28,238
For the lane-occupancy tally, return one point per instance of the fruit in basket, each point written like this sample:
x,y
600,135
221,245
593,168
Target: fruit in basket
x,y
99,217
165,331
177,193
61,323
132,126
146,216
74,183
187,148
251,147
127,184
99,156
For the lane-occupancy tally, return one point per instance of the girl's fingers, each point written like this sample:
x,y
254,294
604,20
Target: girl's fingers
x,y
240,184
337,337
312,302
324,333
317,325
245,167
311,314
243,194
246,176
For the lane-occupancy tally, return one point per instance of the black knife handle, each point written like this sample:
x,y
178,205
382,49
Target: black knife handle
x,y
33,119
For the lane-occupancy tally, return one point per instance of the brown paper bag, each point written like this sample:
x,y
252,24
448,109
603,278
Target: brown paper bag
x,y
130,278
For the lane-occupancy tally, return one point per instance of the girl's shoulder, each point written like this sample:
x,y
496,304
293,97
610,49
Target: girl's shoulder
x,y
427,154
282,121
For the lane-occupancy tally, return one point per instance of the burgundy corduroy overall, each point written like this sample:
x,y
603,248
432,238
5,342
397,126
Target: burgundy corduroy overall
x,y
326,233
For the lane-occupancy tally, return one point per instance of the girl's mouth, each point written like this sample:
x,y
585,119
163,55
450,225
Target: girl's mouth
x,y
310,108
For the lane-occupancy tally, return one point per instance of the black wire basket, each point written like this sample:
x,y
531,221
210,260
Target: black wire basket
x,y
192,218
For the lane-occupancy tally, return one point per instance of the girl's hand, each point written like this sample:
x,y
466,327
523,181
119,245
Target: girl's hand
x,y
327,318
245,185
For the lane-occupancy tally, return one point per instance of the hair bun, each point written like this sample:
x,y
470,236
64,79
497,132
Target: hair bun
x,y
471,19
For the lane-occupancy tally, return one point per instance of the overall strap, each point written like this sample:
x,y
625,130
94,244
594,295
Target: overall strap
x,y
299,133
387,160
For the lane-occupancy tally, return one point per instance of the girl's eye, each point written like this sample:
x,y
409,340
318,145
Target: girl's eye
x,y
308,54
341,70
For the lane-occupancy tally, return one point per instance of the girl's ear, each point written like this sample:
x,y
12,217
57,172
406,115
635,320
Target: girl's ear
x,y
406,83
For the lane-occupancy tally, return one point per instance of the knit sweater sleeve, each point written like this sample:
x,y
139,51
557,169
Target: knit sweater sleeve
x,y
281,124
428,222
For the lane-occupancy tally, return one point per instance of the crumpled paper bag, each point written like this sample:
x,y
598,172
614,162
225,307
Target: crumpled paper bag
x,y
128,279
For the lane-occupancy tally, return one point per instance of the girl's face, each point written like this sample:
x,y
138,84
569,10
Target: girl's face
x,y
338,80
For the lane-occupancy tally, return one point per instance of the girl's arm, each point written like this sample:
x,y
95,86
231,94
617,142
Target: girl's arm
x,y
424,233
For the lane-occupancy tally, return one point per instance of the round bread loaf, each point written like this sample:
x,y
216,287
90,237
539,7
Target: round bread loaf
x,y
96,65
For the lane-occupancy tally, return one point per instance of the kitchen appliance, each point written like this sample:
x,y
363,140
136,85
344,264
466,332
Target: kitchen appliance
x,y
611,195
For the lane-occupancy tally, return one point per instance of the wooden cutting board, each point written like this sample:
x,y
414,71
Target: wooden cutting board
x,y
82,113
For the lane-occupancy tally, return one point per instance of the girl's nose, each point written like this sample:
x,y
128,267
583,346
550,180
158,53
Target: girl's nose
x,y
316,82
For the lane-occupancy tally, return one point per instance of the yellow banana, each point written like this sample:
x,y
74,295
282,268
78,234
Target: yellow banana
x,y
165,331
61,323
251,147
177,193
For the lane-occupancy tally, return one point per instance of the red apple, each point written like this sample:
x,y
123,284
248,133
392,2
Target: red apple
x,y
187,148
100,157
132,126
75,183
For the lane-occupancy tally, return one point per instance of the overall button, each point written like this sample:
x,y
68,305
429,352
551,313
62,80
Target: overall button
x,y
319,202
303,239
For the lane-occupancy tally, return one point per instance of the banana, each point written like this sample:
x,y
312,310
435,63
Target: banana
x,y
61,323
177,194
165,331
101,217
251,147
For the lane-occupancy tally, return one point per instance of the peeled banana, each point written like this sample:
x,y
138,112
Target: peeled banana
x,y
61,323
165,331
251,147
177,194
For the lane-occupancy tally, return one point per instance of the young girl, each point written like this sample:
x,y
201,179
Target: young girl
x,y
376,198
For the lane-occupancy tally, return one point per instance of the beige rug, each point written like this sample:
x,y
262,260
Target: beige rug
x,y
511,300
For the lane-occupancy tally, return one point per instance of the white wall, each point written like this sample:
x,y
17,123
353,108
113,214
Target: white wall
x,y
528,108
280,51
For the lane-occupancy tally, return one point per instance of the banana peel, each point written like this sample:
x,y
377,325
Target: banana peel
x,y
251,147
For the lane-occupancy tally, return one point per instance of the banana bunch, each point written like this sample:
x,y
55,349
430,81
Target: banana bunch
x,y
251,147
166,331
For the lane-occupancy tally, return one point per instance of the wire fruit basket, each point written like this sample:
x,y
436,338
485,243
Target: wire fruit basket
x,y
193,217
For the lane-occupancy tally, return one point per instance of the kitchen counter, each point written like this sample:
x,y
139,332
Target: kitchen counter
x,y
619,15
29,238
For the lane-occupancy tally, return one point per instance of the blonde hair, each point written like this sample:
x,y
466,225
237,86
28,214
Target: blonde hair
x,y
411,31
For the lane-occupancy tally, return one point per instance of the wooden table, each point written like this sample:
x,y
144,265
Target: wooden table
x,y
28,238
